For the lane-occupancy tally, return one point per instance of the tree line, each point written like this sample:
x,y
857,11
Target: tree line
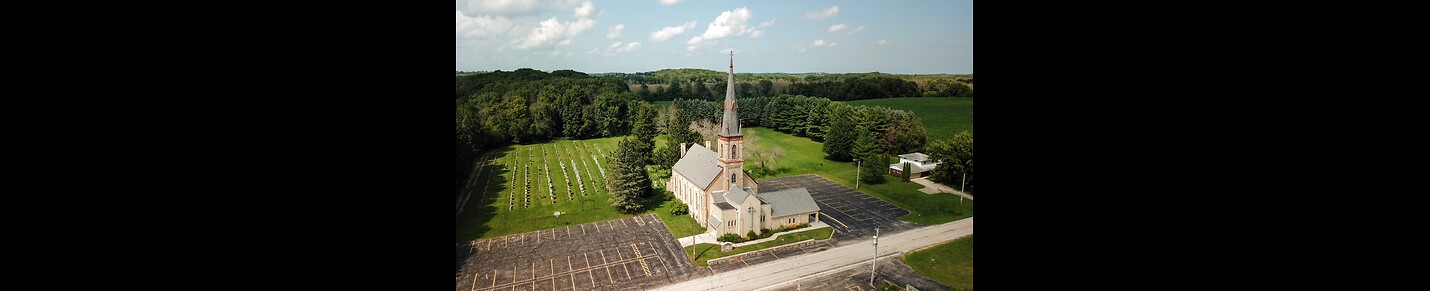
x,y
527,105
837,124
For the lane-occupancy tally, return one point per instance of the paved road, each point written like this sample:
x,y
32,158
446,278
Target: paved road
x,y
787,270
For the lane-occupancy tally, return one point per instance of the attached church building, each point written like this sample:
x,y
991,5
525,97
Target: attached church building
x,y
721,195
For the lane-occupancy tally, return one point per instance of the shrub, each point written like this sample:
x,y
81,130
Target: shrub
x,y
680,209
751,235
730,237
765,232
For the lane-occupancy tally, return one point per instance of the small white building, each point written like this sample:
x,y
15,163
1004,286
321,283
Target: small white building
x,y
919,164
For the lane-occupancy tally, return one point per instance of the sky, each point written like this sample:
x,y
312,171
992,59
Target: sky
x,y
782,36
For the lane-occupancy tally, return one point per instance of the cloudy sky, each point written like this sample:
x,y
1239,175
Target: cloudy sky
x,y
597,36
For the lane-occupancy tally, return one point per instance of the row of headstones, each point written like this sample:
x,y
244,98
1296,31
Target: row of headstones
x,y
598,162
550,188
569,195
570,156
511,194
583,162
526,177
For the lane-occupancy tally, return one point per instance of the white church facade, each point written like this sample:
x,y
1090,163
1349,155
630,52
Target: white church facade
x,y
720,194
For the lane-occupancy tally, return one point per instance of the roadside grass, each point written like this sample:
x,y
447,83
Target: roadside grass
x,y
950,263
711,251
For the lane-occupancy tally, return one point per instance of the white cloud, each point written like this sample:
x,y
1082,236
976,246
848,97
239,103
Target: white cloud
x,y
617,48
616,31
670,2
801,50
585,10
666,33
818,43
833,44
515,7
837,28
857,30
484,26
827,13
729,24
555,53
553,31
883,42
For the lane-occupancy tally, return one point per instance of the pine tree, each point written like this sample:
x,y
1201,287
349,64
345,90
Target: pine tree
x,y
629,182
840,138
867,150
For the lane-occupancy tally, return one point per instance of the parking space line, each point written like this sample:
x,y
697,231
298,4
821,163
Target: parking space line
x,y
589,269
474,280
623,263
571,269
552,262
607,266
494,278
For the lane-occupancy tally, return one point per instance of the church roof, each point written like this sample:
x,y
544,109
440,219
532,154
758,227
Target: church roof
x,y
736,195
699,165
790,202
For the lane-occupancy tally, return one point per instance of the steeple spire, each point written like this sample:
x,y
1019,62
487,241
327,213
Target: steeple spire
x,y
730,125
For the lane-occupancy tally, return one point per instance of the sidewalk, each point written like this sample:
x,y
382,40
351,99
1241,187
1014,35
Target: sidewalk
x,y
930,187
710,237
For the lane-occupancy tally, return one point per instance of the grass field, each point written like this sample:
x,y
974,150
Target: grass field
x,y
943,117
950,263
502,208
804,156
661,105
712,251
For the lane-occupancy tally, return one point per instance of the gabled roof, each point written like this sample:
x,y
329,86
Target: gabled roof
x,y
699,165
736,195
790,202
915,156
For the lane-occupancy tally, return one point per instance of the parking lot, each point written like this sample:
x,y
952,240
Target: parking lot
x,y
852,214
629,253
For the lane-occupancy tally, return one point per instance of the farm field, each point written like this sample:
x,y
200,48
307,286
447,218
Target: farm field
x,y
943,117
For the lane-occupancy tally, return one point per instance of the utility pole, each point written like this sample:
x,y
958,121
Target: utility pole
x,y
875,267
857,166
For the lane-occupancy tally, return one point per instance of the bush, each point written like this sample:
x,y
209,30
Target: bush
x,y
751,235
680,209
765,232
730,237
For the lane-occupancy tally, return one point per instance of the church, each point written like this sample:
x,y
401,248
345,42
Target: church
x,y
719,192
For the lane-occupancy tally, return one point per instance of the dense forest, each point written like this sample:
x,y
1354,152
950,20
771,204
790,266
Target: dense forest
x,y
671,84
528,106
837,124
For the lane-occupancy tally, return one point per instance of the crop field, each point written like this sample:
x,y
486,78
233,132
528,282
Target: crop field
x,y
943,117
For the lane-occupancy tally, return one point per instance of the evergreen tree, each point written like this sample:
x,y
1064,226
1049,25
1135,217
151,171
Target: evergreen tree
x,y
629,183
867,150
675,92
643,127
839,140
644,92
906,172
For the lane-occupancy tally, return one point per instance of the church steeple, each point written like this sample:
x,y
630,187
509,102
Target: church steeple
x,y
732,142
730,125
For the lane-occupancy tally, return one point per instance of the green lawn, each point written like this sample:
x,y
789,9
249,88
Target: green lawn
x,y
711,251
661,105
804,156
943,117
950,263
487,215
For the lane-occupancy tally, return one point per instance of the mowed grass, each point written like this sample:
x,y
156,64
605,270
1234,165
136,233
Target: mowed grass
x,y
805,156
504,179
705,252
661,105
943,117
950,263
